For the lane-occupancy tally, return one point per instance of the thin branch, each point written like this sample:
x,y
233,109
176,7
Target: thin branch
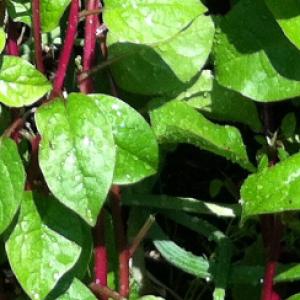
x,y
36,24
67,49
141,235
103,291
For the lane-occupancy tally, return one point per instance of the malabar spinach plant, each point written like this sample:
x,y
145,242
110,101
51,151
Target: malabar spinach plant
x,y
149,149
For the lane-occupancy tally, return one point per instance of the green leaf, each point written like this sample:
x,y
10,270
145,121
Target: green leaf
x,y
215,187
5,118
20,83
288,125
148,21
182,204
51,13
287,15
177,122
39,256
179,257
220,103
20,11
253,57
77,291
2,39
77,153
166,66
273,190
150,297
12,182
137,149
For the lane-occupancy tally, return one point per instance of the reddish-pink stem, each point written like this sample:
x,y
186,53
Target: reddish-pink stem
x,y
66,52
101,257
12,47
86,86
36,20
121,241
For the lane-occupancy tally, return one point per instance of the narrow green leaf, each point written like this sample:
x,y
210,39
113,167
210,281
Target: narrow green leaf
x,y
260,64
2,39
39,256
165,66
77,154
287,15
12,181
77,291
51,13
137,149
179,257
274,189
20,83
182,204
148,21
220,103
177,122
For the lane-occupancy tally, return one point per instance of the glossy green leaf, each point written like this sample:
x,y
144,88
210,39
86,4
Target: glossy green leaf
x,y
137,149
182,204
12,181
177,122
179,257
165,66
77,153
294,297
77,291
220,103
148,21
20,83
51,13
39,256
287,14
260,64
273,189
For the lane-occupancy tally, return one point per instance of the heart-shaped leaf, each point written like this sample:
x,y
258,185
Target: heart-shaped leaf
x,y
39,256
77,153
137,149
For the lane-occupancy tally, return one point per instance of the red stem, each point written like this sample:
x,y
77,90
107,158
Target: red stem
x,y
67,49
36,20
121,241
86,86
12,47
101,258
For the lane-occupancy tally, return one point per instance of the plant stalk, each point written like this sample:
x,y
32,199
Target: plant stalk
x,y
86,85
12,47
121,241
67,49
36,24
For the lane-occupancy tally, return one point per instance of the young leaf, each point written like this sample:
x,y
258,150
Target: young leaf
x,y
182,204
287,15
274,189
220,103
253,57
166,66
12,181
177,122
77,291
179,257
77,153
148,21
39,256
137,149
20,83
